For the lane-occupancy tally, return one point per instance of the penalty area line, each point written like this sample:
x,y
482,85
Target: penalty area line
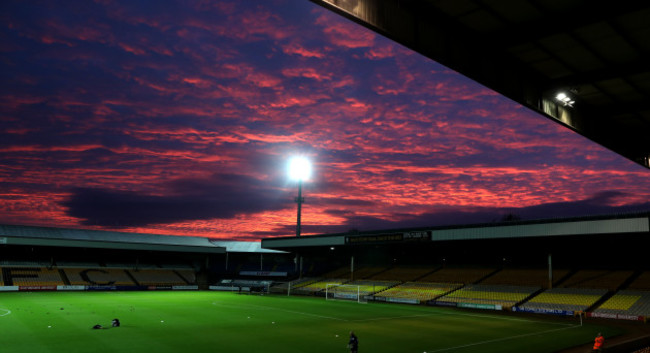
x,y
501,339
7,312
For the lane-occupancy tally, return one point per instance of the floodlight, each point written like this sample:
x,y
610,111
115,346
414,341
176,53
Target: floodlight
x,y
565,99
299,168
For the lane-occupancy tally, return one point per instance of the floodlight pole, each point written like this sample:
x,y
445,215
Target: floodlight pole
x,y
299,201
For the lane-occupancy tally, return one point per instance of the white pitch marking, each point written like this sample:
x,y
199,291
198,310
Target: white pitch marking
x,y
502,339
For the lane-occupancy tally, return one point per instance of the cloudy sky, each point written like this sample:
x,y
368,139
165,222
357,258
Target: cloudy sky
x,y
179,117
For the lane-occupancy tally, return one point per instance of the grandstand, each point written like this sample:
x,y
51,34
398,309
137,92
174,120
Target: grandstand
x,y
499,295
107,276
34,277
524,277
641,283
418,291
315,286
457,275
604,279
402,273
565,299
434,272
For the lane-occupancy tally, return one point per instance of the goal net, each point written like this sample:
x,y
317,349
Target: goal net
x,y
334,291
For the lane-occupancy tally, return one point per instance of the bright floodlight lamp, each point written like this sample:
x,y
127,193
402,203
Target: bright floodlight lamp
x,y
565,99
300,170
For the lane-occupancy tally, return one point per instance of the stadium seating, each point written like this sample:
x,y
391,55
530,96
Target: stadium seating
x,y
283,287
506,296
367,272
106,276
359,273
568,299
342,272
627,302
524,277
402,274
641,283
418,290
610,280
36,277
188,275
157,277
456,275
317,286
366,287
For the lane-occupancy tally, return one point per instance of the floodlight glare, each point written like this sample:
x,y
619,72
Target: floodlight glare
x,y
565,99
299,168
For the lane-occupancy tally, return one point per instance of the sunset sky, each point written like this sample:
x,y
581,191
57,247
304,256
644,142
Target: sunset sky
x,y
179,117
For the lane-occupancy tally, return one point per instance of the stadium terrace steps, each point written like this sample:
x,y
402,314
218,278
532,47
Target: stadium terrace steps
x,y
401,273
523,277
157,277
610,280
418,290
366,272
570,299
318,285
39,276
111,276
188,275
457,275
64,277
343,272
505,296
367,287
642,282
627,302
34,277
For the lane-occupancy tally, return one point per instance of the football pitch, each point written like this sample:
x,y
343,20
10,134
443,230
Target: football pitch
x,y
195,322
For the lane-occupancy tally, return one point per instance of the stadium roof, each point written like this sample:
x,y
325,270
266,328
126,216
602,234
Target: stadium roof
x,y
602,225
595,52
243,246
82,238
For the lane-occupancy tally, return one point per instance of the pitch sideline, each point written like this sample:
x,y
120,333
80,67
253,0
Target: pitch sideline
x,y
501,339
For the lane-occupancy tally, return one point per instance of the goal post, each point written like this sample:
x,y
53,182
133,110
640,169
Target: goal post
x,y
334,291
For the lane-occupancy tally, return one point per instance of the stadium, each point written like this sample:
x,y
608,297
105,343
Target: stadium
x,y
537,285
542,286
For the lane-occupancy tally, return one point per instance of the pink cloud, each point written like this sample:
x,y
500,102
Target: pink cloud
x,y
297,49
345,34
132,49
307,72
378,53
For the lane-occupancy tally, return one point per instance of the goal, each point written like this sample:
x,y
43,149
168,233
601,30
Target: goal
x,y
334,291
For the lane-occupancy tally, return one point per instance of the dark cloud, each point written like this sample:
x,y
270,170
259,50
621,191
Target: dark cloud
x,y
221,197
597,205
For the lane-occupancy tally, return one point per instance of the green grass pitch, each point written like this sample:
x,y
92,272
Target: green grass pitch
x,y
199,322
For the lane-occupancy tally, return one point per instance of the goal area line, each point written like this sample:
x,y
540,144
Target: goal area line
x,y
502,339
